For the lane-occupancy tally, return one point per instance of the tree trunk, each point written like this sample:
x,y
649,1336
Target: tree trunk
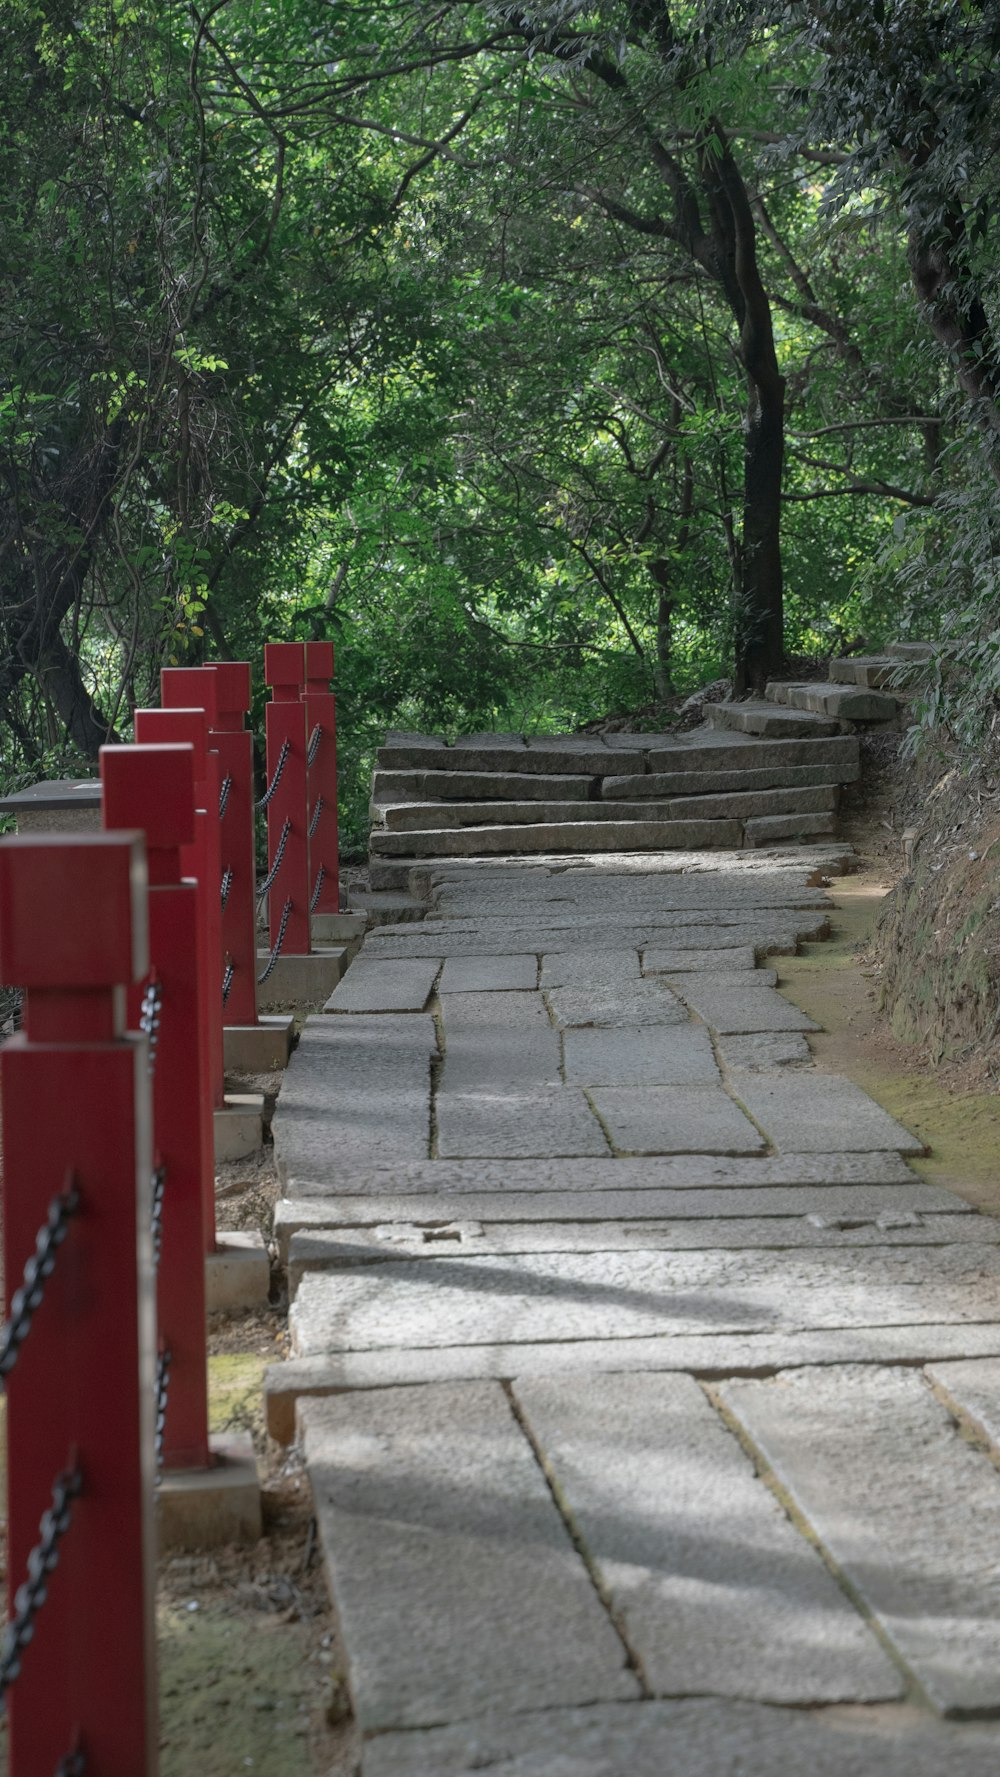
x,y
760,599
663,685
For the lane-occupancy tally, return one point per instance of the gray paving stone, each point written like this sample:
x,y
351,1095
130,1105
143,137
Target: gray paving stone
x,y
654,1055
765,829
457,1587
715,1589
909,1513
699,1119
556,836
373,986
769,720
714,749
488,974
734,1004
459,1010
625,1004
768,935
356,1093
656,785
693,1738
812,1112
554,1297
519,1122
585,968
481,1057
478,786
763,1051
848,703
972,1390
660,960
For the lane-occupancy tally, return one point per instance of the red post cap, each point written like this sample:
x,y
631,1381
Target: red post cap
x,y
232,680
191,688
152,788
285,669
319,665
73,910
176,728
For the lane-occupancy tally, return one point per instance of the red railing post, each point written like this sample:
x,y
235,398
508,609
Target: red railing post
x,y
152,787
80,1396
200,860
287,808
223,691
321,723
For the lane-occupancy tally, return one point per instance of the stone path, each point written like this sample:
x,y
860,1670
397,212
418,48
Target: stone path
x,y
650,1400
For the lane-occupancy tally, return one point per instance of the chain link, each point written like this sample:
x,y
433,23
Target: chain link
x,y
276,952
158,1181
37,1271
227,980
271,877
227,883
162,1396
317,811
275,781
149,1020
44,1558
313,747
227,784
317,888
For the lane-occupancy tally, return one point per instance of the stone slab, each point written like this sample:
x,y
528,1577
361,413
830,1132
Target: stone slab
x,y
544,1121
356,1093
845,703
488,974
482,1057
491,1009
375,986
874,671
662,960
627,1004
260,1048
338,928
656,785
811,1112
715,1590
715,748
691,1738
769,720
238,1272
699,1119
734,1004
972,1390
769,933
588,968
480,786
908,1512
205,1508
911,650
563,836
561,758
301,980
765,829
238,1126
457,1587
763,1051
655,1055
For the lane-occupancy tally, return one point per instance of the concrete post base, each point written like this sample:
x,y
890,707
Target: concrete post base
x,y
239,1126
201,1508
338,928
238,1273
258,1048
303,980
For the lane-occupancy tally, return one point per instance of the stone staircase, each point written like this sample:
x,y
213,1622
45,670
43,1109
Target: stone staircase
x,y
756,773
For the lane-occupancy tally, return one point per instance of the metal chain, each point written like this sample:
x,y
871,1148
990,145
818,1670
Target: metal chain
x,y
269,880
275,781
227,980
37,1271
227,784
149,1020
317,888
314,740
44,1558
317,811
159,1180
162,1395
276,952
227,883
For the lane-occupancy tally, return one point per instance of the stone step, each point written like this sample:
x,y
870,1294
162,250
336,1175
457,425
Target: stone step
x,y
765,829
417,817
564,757
570,836
911,650
769,720
381,909
654,785
875,672
481,786
841,703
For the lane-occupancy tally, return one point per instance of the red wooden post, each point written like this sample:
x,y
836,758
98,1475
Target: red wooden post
x,y
223,691
321,722
189,728
287,809
80,1398
152,787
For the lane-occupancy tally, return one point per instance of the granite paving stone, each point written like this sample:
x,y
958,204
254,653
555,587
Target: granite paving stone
x,y
714,1587
356,1094
972,1390
682,1119
735,1004
588,968
811,1112
654,1055
491,1009
691,1738
480,1057
457,1586
908,1512
629,1004
763,1051
658,959
488,974
553,1120
371,986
